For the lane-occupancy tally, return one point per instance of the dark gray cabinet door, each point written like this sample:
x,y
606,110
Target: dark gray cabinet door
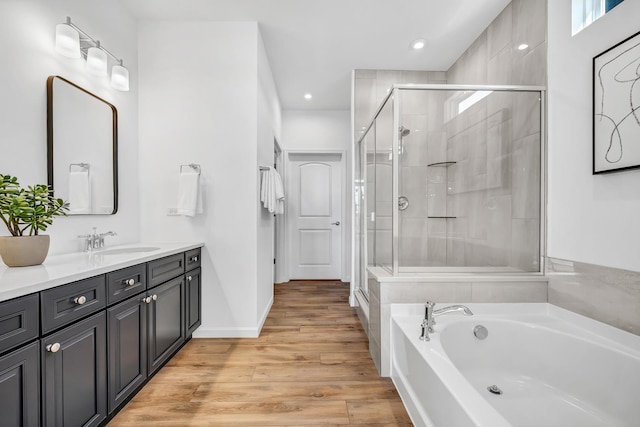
x,y
20,387
127,330
74,374
166,322
193,299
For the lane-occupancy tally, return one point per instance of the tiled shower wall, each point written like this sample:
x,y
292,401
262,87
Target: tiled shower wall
x,y
497,146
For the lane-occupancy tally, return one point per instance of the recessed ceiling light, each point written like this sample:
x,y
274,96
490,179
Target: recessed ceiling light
x,y
308,96
523,46
418,44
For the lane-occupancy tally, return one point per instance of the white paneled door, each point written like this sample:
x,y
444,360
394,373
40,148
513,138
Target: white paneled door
x,y
315,215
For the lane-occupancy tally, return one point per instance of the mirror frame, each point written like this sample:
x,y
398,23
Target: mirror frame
x,y
50,139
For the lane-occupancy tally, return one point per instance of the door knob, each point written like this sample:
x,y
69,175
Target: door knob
x,y
335,223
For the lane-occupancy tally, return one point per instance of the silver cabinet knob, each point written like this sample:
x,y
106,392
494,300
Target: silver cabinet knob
x,y
53,348
154,297
335,223
189,278
146,300
195,259
80,300
130,282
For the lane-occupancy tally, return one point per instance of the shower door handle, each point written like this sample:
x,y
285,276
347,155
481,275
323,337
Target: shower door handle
x,y
335,223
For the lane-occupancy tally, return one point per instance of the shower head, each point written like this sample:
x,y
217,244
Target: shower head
x,y
404,131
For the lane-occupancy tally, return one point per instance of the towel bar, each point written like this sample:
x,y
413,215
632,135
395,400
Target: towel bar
x,y
194,166
80,165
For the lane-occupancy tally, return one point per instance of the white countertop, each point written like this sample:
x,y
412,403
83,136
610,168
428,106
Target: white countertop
x,y
61,269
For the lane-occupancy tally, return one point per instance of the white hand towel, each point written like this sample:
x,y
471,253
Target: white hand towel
x,y
278,192
189,193
272,191
79,192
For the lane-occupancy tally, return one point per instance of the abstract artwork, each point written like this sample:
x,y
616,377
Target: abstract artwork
x,y
616,107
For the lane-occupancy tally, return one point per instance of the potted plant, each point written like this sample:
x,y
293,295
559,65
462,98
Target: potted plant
x,y
26,212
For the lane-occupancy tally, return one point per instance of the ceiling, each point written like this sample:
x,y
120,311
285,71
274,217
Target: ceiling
x,y
313,45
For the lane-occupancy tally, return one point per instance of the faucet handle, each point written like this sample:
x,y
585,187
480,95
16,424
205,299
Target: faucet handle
x,y
429,304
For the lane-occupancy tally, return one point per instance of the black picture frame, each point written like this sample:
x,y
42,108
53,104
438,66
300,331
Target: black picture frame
x,y
616,107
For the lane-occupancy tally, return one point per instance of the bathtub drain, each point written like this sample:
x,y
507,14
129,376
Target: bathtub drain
x,y
494,389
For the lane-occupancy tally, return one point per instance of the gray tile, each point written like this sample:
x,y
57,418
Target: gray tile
x,y
530,66
525,114
525,244
365,74
525,178
497,292
499,68
529,22
606,294
417,292
499,32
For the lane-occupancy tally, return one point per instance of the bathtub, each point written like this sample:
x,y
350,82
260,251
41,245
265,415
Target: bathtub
x,y
553,367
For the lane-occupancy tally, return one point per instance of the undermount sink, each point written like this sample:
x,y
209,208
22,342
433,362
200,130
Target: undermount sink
x,y
132,250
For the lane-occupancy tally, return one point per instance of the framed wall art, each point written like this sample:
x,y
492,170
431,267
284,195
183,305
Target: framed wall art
x,y
616,107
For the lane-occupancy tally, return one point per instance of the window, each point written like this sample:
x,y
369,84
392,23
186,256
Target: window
x,y
584,12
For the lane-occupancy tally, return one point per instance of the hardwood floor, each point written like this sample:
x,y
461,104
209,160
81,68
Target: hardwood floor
x,y
309,367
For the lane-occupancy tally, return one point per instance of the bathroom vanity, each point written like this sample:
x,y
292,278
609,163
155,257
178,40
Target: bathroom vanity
x,y
80,334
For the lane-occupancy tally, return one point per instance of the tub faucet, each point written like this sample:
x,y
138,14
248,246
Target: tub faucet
x,y
430,314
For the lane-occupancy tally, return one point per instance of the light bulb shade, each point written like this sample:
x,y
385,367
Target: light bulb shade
x,y
97,61
120,78
67,41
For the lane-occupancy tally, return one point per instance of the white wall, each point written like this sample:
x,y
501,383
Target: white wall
x,y
322,130
199,103
591,219
316,130
269,125
27,43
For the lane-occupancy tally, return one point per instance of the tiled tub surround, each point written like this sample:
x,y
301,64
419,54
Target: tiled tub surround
x,y
386,289
610,295
579,371
61,269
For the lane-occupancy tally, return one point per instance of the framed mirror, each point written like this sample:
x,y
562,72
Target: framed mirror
x,y
82,142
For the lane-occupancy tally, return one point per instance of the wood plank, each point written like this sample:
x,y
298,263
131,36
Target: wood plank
x,y
310,367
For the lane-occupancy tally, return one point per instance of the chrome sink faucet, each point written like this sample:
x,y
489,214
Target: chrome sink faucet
x,y
430,314
95,240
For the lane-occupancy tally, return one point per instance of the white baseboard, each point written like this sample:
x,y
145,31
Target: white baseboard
x,y
235,332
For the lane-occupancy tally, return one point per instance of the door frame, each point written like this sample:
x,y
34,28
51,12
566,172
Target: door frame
x,y
282,268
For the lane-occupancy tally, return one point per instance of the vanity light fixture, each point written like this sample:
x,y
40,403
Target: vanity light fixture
x,y
73,42
308,96
97,60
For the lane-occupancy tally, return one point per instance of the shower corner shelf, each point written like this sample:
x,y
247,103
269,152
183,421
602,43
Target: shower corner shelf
x,y
441,217
441,164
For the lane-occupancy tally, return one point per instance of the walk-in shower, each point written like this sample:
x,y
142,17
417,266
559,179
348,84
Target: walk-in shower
x,y
449,179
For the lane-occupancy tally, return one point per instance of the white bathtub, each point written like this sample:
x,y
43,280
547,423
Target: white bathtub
x,y
555,368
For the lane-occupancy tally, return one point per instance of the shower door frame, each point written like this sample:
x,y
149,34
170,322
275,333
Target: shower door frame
x,y
395,270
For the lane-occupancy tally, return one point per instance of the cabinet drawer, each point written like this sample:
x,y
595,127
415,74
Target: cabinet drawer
x,y
163,269
192,259
67,303
18,321
127,282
